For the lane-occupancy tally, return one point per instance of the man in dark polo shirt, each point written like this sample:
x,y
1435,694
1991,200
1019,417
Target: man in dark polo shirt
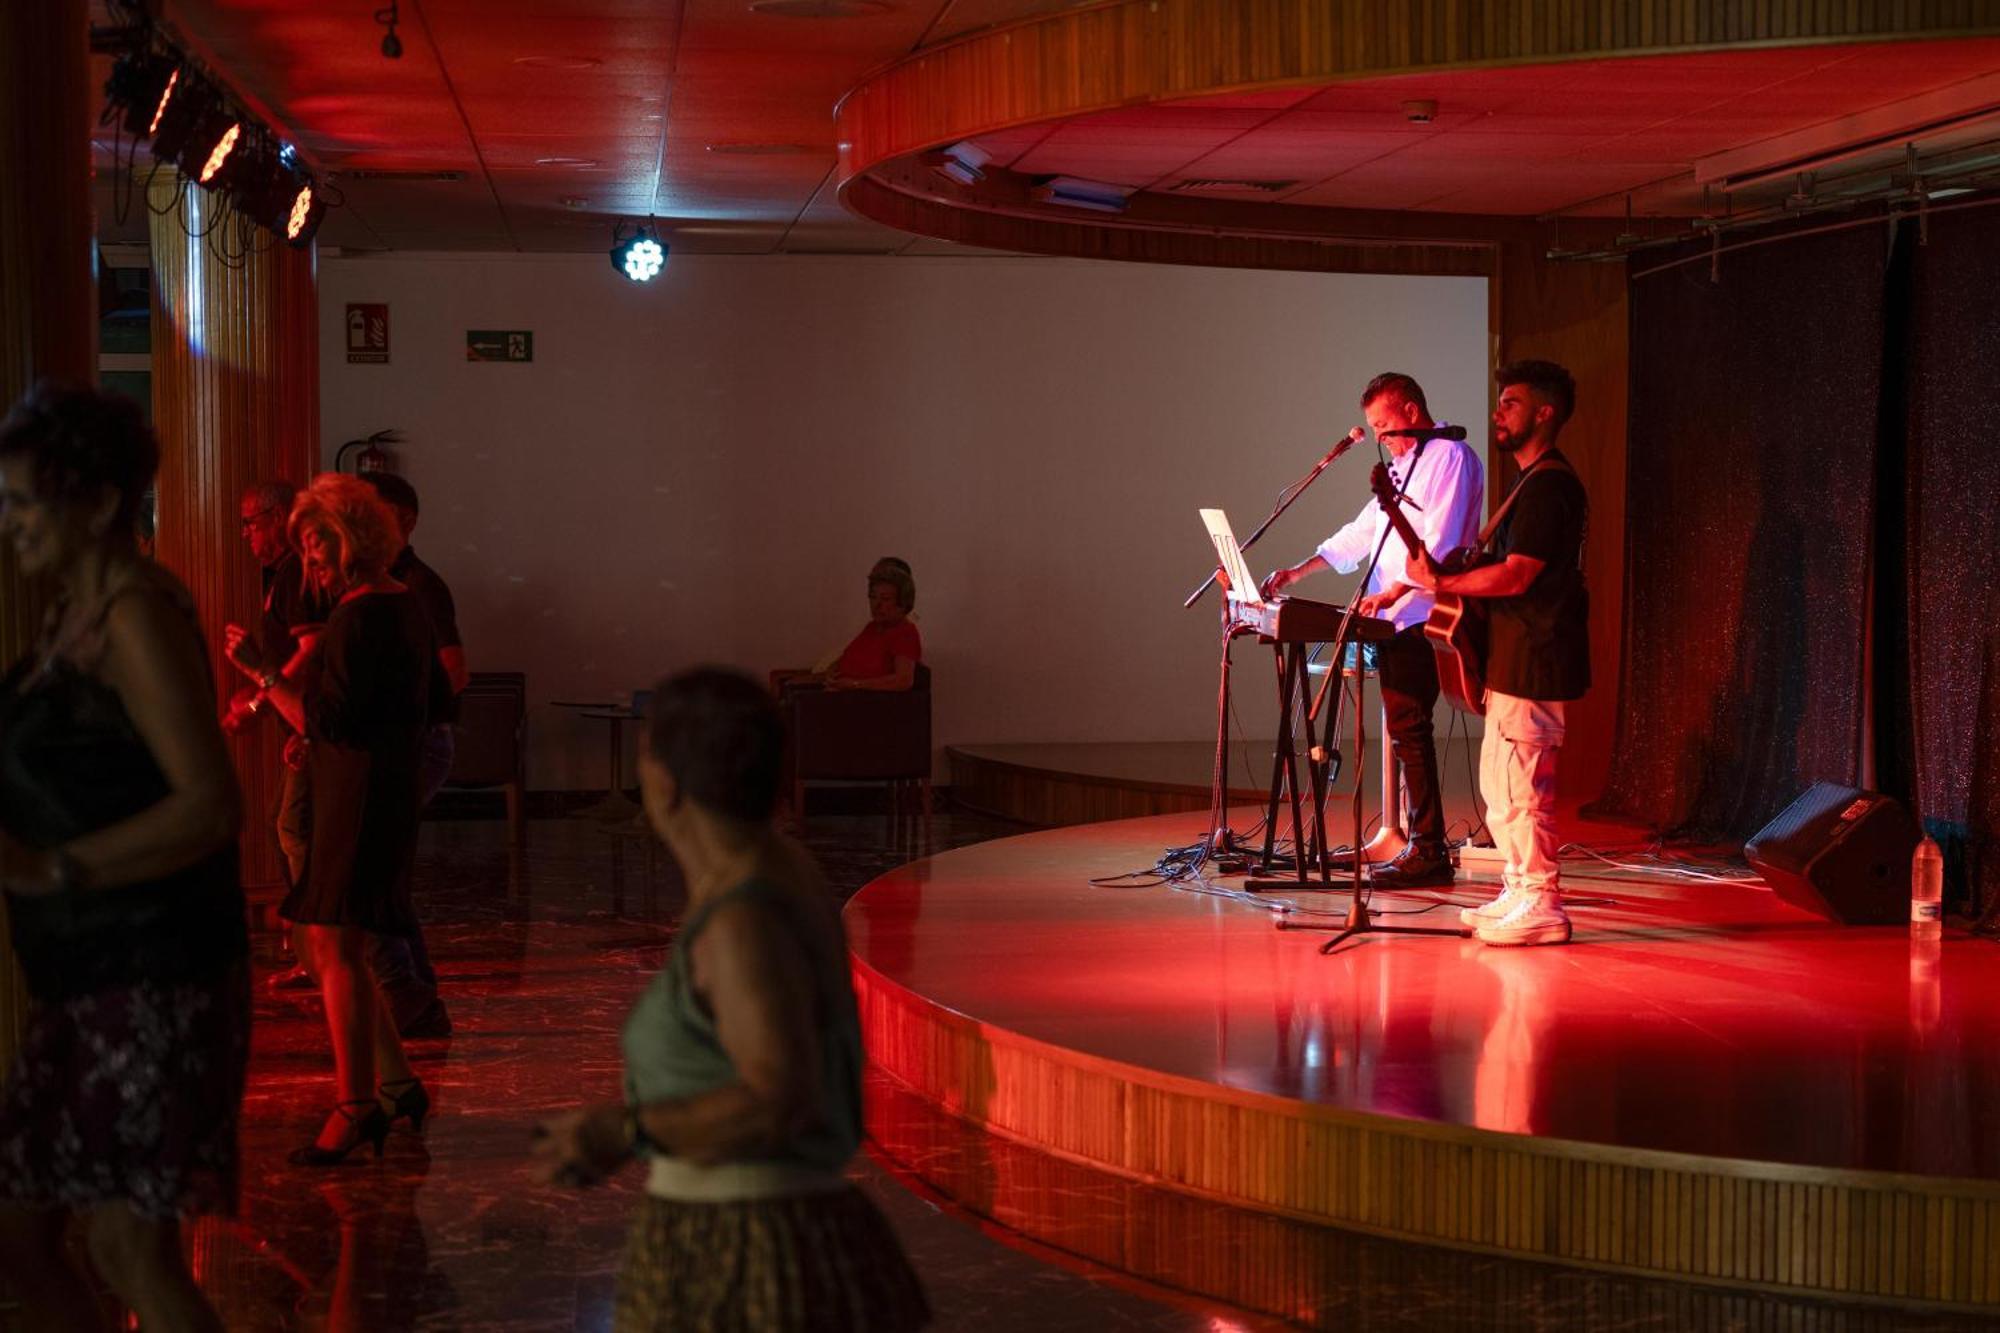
x,y
1538,649
403,964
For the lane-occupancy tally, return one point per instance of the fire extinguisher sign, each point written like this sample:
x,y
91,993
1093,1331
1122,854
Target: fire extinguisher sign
x,y
367,335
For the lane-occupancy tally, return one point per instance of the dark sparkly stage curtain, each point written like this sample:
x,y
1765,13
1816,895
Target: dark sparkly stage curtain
x,y
1950,732
1755,401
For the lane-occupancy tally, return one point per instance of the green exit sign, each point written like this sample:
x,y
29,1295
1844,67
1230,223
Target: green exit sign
x,y
499,345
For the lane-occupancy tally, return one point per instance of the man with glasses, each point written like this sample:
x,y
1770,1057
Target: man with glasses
x,y
294,609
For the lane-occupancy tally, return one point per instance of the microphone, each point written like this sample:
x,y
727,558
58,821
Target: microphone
x,y
1347,441
1428,433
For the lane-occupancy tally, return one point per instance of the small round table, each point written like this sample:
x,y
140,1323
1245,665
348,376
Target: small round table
x,y
616,805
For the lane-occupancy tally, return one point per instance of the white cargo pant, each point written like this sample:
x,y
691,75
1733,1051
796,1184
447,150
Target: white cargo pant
x,y
1517,776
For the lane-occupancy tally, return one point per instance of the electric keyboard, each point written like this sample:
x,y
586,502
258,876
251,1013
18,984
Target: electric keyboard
x,y
1297,620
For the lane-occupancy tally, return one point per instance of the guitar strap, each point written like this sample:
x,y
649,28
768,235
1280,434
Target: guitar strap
x,y
1513,493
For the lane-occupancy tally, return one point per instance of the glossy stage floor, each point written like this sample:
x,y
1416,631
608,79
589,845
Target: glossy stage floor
x,y
1708,1093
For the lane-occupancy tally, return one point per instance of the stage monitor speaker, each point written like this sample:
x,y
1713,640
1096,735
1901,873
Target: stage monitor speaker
x,y
1841,854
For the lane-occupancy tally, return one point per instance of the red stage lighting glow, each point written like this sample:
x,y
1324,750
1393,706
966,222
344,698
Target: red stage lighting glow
x,y
220,153
166,96
301,210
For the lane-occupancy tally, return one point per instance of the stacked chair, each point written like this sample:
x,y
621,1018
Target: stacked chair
x,y
492,741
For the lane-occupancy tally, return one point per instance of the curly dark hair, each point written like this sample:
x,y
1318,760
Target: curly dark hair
x,y
1550,382
719,733
82,443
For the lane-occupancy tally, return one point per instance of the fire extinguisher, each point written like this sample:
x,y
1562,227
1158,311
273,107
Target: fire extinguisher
x,y
373,457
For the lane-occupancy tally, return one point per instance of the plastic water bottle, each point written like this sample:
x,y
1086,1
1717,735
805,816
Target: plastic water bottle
x,y
1927,891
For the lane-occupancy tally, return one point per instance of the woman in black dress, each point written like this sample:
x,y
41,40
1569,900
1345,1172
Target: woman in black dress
x,y
366,717
118,821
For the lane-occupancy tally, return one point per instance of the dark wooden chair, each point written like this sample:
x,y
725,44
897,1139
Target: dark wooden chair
x,y
493,741
865,736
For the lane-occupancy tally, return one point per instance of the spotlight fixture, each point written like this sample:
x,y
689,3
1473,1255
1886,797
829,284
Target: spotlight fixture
x,y
179,117
1073,193
303,213
392,45
641,256
142,82
255,177
166,97
218,155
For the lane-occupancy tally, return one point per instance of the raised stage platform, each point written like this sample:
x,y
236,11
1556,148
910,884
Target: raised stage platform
x,y
1057,783
1705,1085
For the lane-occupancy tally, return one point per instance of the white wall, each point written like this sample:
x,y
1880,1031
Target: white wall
x,y
704,469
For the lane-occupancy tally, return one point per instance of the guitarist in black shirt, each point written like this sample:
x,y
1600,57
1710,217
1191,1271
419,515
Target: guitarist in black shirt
x,y
1538,649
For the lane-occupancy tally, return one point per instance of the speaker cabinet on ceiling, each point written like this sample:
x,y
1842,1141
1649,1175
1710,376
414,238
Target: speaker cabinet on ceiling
x,y
1840,853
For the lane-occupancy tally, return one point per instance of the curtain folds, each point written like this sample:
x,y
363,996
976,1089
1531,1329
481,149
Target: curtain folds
x,y
1813,535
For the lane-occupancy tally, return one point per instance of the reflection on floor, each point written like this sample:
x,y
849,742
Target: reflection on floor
x,y
540,954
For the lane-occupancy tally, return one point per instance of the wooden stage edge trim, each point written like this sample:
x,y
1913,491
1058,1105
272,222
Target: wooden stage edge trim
x,y
1055,798
1880,1237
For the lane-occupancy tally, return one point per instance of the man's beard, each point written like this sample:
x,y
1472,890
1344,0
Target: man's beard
x,y
1509,443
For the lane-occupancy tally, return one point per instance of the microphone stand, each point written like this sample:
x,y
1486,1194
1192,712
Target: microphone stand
x,y
1360,921
1285,501
1218,834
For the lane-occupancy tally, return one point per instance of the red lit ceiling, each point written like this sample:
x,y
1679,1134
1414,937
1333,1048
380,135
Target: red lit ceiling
x,y
548,120
1571,138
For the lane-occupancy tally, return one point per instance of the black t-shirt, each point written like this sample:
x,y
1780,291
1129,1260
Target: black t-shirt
x,y
1538,644
292,604
431,592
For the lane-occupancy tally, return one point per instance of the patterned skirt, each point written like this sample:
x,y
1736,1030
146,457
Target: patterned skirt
x,y
816,1263
129,1093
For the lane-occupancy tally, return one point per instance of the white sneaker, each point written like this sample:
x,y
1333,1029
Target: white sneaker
x,y
1492,910
1537,918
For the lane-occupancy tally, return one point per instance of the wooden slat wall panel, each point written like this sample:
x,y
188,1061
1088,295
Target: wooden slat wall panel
x,y
235,399
48,308
1850,1234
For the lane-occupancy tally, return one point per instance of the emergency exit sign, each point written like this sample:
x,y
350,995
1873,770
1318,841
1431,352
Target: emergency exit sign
x,y
499,345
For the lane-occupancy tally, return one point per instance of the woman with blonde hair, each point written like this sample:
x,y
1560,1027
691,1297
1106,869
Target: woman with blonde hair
x,y
366,716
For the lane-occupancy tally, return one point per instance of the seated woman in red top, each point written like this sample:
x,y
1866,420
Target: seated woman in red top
x,y
884,655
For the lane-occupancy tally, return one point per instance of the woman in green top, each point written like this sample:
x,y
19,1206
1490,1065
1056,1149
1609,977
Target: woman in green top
x,y
742,1060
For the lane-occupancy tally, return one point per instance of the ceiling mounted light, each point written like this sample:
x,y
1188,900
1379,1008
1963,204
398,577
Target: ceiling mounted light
x,y
142,83
641,256
1071,192
218,154
182,113
962,163
392,45
579,163
303,213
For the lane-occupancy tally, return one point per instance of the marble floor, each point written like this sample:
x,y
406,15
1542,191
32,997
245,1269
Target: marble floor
x,y
540,951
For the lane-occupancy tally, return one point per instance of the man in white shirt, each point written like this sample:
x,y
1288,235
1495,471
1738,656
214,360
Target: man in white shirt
x,y
1446,489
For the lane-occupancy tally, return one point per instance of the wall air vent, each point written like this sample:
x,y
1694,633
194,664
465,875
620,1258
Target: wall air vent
x,y
1210,186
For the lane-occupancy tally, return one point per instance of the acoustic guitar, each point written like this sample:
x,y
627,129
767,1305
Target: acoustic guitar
x,y
1457,627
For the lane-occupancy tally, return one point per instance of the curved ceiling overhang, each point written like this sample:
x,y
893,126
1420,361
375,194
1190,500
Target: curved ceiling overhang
x,y
1138,72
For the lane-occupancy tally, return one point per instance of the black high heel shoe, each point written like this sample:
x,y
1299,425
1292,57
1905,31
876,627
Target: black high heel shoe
x,y
369,1126
407,1101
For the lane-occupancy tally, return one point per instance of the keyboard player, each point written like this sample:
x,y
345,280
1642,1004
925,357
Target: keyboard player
x,y
1446,486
